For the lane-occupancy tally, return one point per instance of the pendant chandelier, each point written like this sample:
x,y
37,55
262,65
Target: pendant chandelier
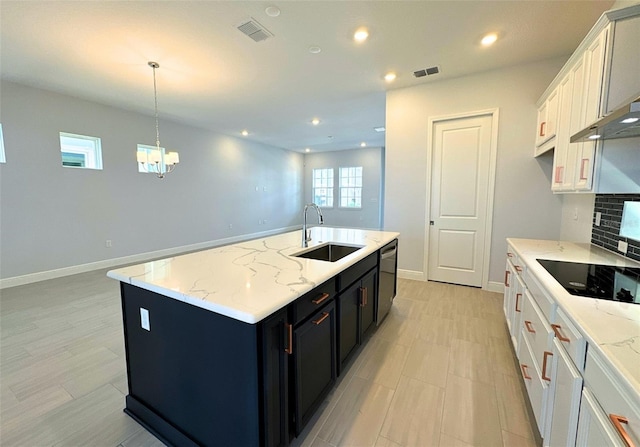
x,y
157,161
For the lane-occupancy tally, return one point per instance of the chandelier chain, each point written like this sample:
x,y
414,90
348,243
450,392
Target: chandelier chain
x,y
155,98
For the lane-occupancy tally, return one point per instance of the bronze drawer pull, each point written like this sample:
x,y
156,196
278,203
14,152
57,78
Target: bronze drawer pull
x,y
289,348
556,329
364,299
506,278
518,268
544,366
321,298
529,327
617,423
324,316
518,296
524,372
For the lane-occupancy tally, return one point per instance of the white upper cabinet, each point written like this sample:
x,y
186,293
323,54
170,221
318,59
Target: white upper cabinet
x,y
547,121
581,94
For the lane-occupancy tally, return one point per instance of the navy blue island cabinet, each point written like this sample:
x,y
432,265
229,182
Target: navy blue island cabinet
x,y
199,378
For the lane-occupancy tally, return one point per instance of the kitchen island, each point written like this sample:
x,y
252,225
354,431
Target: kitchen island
x,y
238,345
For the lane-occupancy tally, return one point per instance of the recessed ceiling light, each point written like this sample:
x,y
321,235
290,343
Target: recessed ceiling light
x,y
315,121
307,150
391,76
379,129
361,35
489,39
594,137
314,49
363,144
272,11
245,133
629,120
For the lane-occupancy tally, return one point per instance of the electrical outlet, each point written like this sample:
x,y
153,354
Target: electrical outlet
x,y
107,243
575,213
144,319
230,226
598,217
623,246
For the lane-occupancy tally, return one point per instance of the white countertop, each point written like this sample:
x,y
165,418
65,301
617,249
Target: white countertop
x,y
611,327
250,280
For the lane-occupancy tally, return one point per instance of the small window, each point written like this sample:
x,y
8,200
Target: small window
x,y
323,187
2,157
80,151
147,157
351,187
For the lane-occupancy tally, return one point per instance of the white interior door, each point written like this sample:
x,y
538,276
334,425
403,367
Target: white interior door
x,y
461,151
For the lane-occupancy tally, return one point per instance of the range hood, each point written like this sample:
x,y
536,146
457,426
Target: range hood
x,y
621,123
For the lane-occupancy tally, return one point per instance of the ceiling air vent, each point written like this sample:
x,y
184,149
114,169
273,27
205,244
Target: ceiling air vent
x,y
253,29
427,71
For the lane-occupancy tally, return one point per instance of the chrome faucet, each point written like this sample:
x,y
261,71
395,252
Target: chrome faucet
x,y
306,235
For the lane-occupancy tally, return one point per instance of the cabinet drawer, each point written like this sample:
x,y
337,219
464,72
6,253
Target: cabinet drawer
x,y
355,272
594,428
612,397
545,302
570,339
518,266
314,300
536,387
538,333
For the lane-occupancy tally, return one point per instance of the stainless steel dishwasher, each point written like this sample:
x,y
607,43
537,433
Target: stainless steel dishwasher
x,y
388,279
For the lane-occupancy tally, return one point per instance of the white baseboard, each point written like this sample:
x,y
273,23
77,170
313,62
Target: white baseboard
x,y
131,259
494,286
411,274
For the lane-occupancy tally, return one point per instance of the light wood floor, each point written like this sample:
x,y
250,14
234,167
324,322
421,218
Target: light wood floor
x,y
438,372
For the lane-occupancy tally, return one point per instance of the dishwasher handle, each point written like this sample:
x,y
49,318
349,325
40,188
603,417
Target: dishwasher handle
x,y
389,253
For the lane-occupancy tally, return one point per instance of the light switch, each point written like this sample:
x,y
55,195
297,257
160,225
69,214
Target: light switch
x,y
144,319
598,217
623,246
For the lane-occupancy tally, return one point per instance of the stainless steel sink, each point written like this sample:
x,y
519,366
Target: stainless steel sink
x,y
328,252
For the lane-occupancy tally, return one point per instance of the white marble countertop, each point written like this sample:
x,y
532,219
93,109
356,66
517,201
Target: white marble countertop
x,y
613,328
250,280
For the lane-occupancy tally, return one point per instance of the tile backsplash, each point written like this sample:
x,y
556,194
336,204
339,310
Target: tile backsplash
x,y
607,234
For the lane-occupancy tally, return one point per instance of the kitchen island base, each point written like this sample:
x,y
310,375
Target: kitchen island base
x,y
194,369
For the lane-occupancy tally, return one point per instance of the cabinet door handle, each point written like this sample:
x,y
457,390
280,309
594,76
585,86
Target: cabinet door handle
x,y
363,296
321,298
544,366
366,296
529,327
542,128
524,371
617,423
289,348
556,329
585,161
506,278
324,316
518,296
559,174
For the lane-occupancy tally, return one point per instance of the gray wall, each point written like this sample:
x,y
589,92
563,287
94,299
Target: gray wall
x,y
523,203
371,160
53,217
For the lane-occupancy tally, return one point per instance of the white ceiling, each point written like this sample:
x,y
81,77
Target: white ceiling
x,y
213,76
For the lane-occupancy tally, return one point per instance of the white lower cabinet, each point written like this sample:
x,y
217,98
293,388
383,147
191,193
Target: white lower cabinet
x,y
594,429
620,413
576,393
537,389
564,401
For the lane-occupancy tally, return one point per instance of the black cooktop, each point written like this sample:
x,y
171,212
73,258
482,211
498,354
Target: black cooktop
x,y
605,282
